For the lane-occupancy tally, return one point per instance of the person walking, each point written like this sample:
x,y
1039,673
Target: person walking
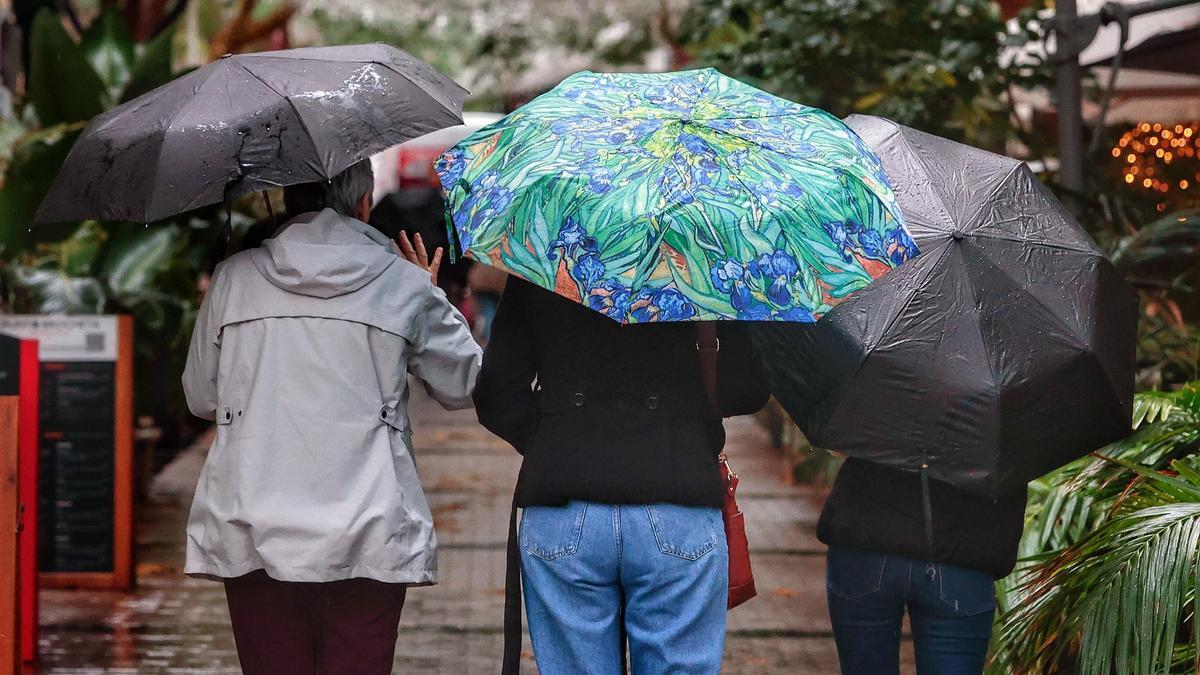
x,y
897,542
621,532
309,507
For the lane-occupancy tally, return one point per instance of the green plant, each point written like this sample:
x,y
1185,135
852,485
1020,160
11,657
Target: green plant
x,y
944,76
1110,553
88,268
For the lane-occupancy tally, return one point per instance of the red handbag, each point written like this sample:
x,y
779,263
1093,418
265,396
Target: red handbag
x,y
741,576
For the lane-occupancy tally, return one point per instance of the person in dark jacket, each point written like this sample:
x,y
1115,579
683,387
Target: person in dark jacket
x,y
621,528
933,548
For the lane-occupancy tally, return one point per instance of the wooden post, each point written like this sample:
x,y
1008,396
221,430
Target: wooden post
x,y
123,563
9,520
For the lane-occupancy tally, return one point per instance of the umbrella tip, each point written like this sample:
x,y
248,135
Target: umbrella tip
x,y
957,234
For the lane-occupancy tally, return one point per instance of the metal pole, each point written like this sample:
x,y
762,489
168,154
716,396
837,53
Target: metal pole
x,y
1068,94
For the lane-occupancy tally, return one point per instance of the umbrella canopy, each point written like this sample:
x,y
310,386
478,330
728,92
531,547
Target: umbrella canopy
x,y
1004,350
248,122
674,197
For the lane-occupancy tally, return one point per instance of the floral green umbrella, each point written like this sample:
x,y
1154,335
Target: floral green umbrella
x,y
674,197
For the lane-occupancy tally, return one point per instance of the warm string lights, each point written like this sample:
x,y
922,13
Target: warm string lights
x,y
1160,158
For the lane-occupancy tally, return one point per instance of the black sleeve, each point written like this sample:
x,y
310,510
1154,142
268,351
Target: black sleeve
x,y
504,398
741,376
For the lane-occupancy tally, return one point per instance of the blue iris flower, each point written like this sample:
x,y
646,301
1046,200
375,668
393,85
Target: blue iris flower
x,y
872,244
783,263
588,270
693,143
646,127
760,266
725,273
740,296
673,188
666,304
571,239
748,309
674,305
838,232
901,247
779,292
609,298
450,168
795,314
780,267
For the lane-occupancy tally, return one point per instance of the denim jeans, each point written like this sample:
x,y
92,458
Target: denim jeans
x,y
663,569
950,610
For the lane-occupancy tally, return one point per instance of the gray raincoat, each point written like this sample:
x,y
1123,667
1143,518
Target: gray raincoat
x,y
300,354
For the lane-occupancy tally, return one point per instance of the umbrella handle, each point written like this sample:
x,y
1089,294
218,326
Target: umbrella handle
x,y
270,211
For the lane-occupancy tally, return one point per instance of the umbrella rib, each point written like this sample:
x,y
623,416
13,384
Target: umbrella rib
x,y
1071,331
806,160
888,327
941,200
292,105
418,86
1046,244
974,217
374,61
166,129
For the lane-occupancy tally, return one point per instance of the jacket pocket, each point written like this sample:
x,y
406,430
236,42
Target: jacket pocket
x,y
966,592
853,574
551,532
687,532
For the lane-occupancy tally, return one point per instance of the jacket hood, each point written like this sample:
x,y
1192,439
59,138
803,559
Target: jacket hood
x,y
324,254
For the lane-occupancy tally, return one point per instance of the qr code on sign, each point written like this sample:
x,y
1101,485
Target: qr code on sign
x,y
94,342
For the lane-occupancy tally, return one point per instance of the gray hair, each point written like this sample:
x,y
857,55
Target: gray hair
x,y
342,194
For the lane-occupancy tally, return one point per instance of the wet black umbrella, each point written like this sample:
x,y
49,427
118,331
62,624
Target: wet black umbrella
x,y
248,122
1005,349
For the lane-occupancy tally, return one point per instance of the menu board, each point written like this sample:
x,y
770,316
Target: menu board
x,y
84,447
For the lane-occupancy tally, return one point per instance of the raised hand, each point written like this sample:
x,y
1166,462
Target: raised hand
x,y
414,251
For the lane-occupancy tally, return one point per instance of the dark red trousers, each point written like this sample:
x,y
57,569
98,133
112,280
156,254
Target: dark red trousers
x,y
334,628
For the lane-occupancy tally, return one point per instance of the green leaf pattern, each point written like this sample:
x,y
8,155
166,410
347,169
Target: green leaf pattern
x,y
676,196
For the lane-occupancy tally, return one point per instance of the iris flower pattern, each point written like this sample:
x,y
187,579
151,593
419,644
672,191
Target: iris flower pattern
x,y
676,197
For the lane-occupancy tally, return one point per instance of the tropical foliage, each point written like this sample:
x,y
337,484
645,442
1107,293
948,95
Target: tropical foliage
x,y
89,268
676,196
935,66
1112,544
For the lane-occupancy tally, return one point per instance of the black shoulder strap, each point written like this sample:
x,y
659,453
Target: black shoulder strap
x,y
511,664
708,345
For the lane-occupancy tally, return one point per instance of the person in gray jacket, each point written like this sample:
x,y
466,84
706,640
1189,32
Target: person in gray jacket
x,y
309,507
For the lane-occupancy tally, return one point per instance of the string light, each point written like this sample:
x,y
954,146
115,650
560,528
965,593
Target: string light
x,y
1160,158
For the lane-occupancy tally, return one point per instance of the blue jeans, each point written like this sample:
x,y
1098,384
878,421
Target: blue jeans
x,y
950,609
661,568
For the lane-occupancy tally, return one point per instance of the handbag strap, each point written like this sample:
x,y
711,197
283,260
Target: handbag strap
x,y
707,346
513,632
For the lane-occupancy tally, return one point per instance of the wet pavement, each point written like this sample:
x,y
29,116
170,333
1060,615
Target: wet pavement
x,y
173,624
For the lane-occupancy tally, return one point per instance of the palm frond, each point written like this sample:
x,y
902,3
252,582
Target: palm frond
x,y
1152,406
1115,600
1084,551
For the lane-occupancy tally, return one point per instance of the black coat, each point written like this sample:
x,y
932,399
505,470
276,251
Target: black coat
x,y
881,509
609,413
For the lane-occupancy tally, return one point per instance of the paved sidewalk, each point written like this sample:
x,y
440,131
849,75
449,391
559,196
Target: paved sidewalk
x,y
172,624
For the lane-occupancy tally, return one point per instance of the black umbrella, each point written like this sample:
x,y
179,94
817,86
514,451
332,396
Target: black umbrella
x,y
1004,350
248,122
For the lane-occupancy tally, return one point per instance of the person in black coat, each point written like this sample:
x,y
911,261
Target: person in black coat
x,y
621,530
933,549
